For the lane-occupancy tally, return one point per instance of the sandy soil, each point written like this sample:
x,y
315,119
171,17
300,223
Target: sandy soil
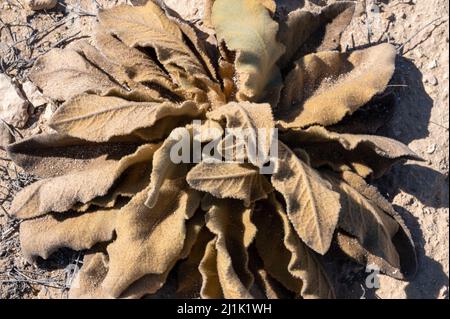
x,y
419,190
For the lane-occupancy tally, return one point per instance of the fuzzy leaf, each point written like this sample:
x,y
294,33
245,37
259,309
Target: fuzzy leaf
x,y
99,119
132,181
87,282
403,240
285,256
257,119
365,154
157,235
148,27
312,206
60,193
60,81
135,72
210,288
163,166
189,276
229,180
231,223
45,235
247,28
325,87
364,220
53,154
304,32
131,63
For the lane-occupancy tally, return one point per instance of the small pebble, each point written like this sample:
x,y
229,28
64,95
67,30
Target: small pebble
x,y
432,64
431,149
37,5
431,79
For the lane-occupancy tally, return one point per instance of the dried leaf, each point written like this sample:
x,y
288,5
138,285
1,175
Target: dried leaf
x,y
53,154
365,154
312,206
211,288
229,180
309,32
325,87
163,165
87,282
132,181
157,238
60,81
247,28
286,257
231,223
60,193
403,240
189,277
45,235
148,27
99,119
364,220
256,119
150,83
264,282
135,65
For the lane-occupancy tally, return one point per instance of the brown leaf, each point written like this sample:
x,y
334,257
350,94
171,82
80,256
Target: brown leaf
x,y
229,180
325,87
364,220
61,80
211,288
254,119
87,282
132,181
247,28
303,32
45,235
230,222
312,206
135,65
189,277
141,81
402,240
53,154
153,238
99,119
60,193
286,257
148,27
364,154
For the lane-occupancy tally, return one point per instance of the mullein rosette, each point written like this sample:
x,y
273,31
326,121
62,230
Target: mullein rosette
x,y
108,187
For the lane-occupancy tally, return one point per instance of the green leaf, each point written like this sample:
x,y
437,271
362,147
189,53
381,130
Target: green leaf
x,y
247,28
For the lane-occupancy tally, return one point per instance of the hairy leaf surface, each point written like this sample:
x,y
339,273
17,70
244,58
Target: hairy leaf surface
x,y
326,86
247,28
312,206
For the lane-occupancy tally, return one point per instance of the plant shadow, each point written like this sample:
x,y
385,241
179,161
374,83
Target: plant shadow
x,y
430,277
409,121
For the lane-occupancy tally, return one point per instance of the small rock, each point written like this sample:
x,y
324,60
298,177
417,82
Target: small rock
x,y
6,137
431,149
33,95
37,5
13,107
432,64
48,112
431,79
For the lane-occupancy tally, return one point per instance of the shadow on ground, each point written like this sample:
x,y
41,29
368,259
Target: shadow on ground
x,y
410,122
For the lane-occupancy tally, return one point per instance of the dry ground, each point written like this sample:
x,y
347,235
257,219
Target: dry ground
x,y
420,191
